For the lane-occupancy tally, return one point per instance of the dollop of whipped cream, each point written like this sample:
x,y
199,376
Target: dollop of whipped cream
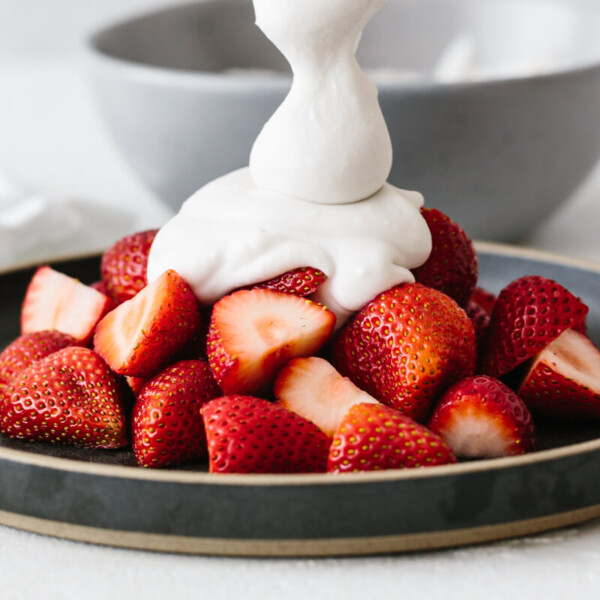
x,y
315,193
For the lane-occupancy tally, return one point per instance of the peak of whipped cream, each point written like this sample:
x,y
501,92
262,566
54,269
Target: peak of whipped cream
x,y
315,192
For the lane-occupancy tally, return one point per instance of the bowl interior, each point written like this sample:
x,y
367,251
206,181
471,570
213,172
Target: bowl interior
x,y
500,37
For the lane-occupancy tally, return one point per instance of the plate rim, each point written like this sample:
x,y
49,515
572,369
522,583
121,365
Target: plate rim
x,y
200,477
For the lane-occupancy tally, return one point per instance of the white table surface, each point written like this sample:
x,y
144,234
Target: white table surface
x,y
50,137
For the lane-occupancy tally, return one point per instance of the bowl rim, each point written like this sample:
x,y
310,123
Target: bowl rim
x,y
156,74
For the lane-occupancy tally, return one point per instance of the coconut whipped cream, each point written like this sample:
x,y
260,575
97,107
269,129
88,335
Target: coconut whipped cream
x,y
315,192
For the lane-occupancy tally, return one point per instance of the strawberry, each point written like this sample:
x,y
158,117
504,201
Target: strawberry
x,y
312,388
372,437
452,265
123,265
68,397
564,379
302,282
480,319
406,347
56,301
142,335
167,427
480,417
253,333
529,313
251,435
484,299
29,348
135,383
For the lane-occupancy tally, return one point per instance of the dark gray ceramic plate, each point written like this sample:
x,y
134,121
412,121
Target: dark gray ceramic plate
x,y
101,497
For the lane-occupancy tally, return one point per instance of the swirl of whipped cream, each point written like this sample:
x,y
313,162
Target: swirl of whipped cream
x,y
328,141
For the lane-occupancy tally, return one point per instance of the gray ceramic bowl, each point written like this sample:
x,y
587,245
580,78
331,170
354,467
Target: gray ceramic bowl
x,y
186,90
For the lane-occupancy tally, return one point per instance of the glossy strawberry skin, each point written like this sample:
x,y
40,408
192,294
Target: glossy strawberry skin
x,y
480,319
554,392
68,397
167,427
484,298
374,437
144,334
29,348
452,266
529,313
251,435
480,417
301,282
406,347
123,266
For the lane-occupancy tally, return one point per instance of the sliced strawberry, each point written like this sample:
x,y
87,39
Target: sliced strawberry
x,y
28,349
452,265
167,427
312,388
406,347
372,437
253,333
135,383
124,265
564,379
251,435
529,313
142,335
480,417
68,397
56,301
302,282
484,298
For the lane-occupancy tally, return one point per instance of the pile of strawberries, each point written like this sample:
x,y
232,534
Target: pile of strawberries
x,y
263,382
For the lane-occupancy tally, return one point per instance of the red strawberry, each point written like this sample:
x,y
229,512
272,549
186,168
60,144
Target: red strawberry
x,y
29,348
480,417
372,437
406,347
302,282
167,427
484,298
251,435
529,313
312,388
452,265
123,265
564,379
56,301
253,333
142,335
480,319
68,397
100,286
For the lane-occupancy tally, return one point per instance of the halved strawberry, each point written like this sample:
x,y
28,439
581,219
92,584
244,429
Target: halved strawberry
x,y
312,388
452,265
529,313
253,333
56,301
135,383
251,435
564,379
480,417
372,437
124,265
28,349
167,427
142,335
406,347
68,397
302,282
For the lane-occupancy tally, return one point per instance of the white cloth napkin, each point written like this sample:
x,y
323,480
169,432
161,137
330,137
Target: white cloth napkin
x,y
36,225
